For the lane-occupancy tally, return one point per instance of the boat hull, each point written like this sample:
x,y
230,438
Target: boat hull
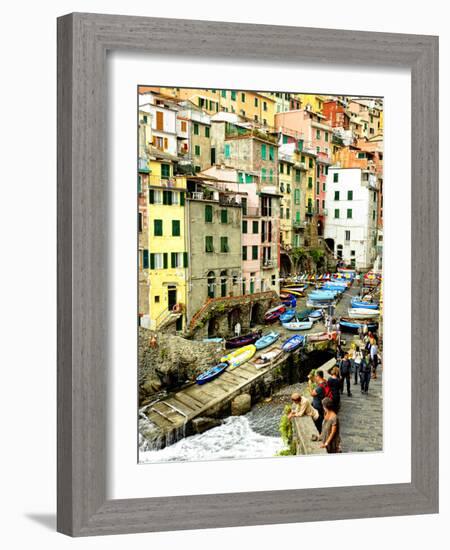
x,y
240,341
267,340
239,356
293,343
211,374
298,325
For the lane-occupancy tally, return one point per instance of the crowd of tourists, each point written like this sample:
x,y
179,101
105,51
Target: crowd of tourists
x,y
359,363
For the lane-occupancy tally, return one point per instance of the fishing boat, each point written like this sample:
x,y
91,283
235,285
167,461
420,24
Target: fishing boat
x,y
358,303
293,343
267,358
290,302
239,356
287,315
353,325
363,313
267,340
315,315
304,314
322,336
244,340
211,373
274,313
212,340
285,295
298,325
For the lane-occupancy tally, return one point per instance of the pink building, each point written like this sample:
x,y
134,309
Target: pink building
x,y
246,184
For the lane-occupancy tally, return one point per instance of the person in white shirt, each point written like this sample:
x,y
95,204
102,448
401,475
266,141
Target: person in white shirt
x,y
237,329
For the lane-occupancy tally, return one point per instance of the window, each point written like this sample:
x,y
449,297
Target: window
x,y
244,254
139,184
317,149
140,222
317,187
244,206
300,147
324,187
326,136
336,195
248,178
352,253
297,216
347,235
349,195
233,96
288,170
244,226
175,228
211,278
264,106
208,213
145,262
165,171
224,244
254,252
272,156
156,299
157,228
349,213
227,150
288,213
336,213
263,151
374,214
361,155
223,93
311,164
197,150
196,131
159,120
273,279
255,226
285,139
167,197
224,216
297,176
317,134
243,97
317,205
297,196
335,177
197,169
176,259
158,261
207,131
256,102
263,174
310,182
288,188
175,197
209,244
281,168
323,204
281,212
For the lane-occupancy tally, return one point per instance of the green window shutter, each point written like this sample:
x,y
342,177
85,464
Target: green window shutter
x,y
336,213
151,196
248,178
165,200
349,213
281,168
157,228
255,226
317,134
173,259
335,177
233,96
165,171
208,213
139,184
224,244
185,259
175,228
223,93
224,216
244,226
254,252
263,151
165,260
310,182
207,130
243,97
195,128
145,259
350,195
336,195
197,150
240,177
169,198
227,151
297,216
244,252
263,174
285,139
209,244
311,163
300,147
326,136
271,175
271,153
152,261
181,198
297,176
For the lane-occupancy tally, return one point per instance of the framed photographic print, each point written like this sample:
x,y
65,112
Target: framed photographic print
x,y
239,311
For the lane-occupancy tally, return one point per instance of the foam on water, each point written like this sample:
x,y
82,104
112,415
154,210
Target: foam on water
x,y
235,438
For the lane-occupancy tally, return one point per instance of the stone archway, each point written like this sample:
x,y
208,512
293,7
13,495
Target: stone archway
x,y
256,314
285,265
234,316
330,244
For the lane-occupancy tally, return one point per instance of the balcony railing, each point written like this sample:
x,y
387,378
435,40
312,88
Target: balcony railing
x,y
172,182
267,264
251,212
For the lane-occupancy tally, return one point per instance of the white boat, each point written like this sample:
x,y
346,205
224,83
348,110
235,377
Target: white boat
x,y
298,325
361,313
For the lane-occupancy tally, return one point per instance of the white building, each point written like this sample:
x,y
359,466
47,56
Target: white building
x,y
351,210
163,115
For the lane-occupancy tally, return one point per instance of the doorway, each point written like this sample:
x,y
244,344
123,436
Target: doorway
x,y
171,297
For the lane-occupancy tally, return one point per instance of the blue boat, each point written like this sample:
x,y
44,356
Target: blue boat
x,y
293,343
211,373
291,301
267,340
315,315
351,325
316,294
357,303
287,315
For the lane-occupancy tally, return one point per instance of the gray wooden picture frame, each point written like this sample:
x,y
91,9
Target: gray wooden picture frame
x,y
83,42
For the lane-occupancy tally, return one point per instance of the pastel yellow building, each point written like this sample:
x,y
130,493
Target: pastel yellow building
x,y
166,259
314,101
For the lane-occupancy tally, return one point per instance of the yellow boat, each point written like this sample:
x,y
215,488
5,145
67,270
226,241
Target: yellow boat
x,y
239,356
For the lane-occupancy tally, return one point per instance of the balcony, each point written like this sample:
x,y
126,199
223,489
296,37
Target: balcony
x,y
298,225
269,264
143,166
251,212
172,182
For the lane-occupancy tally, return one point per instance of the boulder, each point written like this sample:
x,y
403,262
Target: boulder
x,y
241,404
204,423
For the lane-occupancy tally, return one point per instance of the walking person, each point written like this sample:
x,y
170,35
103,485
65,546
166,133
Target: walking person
x,y
364,373
318,393
334,384
357,363
346,372
374,358
331,437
